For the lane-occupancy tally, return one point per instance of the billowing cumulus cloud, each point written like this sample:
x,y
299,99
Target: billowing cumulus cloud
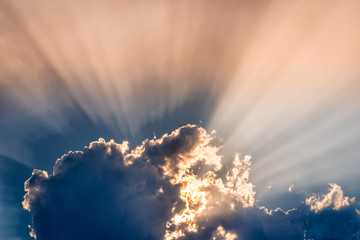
x,y
334,198
221,234
168,186
174,187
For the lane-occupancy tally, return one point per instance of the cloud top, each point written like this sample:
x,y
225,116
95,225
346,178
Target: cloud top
x,y
334,198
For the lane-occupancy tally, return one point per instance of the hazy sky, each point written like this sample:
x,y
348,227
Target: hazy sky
x,y
276,80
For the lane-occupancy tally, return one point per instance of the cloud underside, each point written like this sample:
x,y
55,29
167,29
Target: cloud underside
x,y
174,187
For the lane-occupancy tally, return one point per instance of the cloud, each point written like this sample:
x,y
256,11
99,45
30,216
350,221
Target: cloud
x,y
164,187
221,234
173,187
92,194
302,223
334,198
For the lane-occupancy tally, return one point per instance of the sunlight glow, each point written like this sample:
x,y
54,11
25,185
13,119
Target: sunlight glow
x,y
282,78
204,194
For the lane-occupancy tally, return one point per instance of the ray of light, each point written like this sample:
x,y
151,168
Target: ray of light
x,y
294,102
284,75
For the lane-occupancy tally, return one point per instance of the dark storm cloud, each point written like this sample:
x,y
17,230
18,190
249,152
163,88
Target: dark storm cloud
x,y
295,224
93,195
107,191
301,223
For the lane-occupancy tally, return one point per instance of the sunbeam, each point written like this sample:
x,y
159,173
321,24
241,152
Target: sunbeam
x,y
272,79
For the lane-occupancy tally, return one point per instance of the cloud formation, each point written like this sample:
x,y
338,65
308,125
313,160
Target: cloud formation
x,y
334,198
168,186
174,187
221,234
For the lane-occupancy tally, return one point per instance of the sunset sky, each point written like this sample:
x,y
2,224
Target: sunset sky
x,y
129,119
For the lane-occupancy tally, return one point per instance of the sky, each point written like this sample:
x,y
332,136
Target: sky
x,y
179,119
